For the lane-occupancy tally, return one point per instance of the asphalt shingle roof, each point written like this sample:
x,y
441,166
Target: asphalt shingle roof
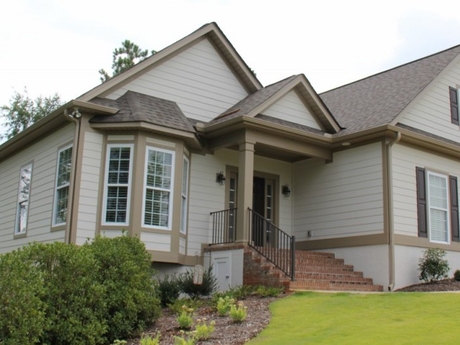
x,y
137,107
378,99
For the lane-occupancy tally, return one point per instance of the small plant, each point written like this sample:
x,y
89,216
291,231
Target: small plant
x,y
148,340
184,340
202,330
224,304
457,275
120,342
206,288
185,319
238,313
432,266
178,306
268,291
169,290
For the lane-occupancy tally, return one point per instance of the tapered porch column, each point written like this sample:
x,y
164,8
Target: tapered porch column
x,y
245,181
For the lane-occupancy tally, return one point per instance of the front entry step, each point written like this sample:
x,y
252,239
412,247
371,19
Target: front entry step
x,y
313,271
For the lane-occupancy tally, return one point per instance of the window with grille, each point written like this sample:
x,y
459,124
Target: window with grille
x,y
61,197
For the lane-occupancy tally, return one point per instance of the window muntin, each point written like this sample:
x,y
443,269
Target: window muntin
x,y
438,207
22,211
117,184
158,188
62,186
183,211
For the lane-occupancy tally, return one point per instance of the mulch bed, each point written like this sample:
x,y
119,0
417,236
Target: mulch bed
x,y
442,285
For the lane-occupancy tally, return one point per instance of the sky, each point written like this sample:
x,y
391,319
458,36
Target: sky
x,y
58,46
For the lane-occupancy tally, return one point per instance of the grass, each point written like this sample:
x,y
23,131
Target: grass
x,y
344,318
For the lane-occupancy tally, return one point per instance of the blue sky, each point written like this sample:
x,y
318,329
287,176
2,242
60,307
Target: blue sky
x,y
58,46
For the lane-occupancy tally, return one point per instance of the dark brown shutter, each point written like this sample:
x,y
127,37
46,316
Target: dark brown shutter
x,y
421,202
454,207
453,105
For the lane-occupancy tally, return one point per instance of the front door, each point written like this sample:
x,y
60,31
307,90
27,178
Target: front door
x,y
262,203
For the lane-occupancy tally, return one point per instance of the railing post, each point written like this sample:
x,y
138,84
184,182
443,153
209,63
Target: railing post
x,y
293,258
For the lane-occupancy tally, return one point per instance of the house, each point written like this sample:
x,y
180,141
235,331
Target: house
x,y
191,153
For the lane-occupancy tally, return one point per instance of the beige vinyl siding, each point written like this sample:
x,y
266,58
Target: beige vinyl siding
x,y
205,196
291,108
197,79
158,242
342,198
44,155
430,111
182,245
88,201
405,160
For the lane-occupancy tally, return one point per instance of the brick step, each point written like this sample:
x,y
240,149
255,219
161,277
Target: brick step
x,y
313,284
326,269
330,276
320,262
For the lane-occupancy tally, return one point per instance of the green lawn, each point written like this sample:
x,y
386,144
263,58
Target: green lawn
x,y
344,318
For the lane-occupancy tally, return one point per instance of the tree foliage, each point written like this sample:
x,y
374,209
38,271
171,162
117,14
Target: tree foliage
x,y
22,111
125,57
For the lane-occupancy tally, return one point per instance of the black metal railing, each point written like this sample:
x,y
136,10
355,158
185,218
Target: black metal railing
x,y
224,226
272,243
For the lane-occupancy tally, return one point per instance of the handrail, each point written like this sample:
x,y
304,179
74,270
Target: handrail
x,y
224,226
273,243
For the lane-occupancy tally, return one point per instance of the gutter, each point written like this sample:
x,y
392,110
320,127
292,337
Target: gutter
x,y
391,240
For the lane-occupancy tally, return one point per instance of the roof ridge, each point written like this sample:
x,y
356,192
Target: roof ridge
x,y
394,68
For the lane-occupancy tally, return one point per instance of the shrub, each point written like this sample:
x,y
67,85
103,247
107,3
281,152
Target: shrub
x,y
202,330
223,305
178,306
238,313
148,340
457,275
22,310
123,266
432,266
207,288
73,298
184,340
169,290
270,291
185,318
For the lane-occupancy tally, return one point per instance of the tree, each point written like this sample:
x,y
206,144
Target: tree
x,y
22,111
125,57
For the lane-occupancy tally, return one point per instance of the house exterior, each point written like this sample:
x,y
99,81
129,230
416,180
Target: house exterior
x,y
368,171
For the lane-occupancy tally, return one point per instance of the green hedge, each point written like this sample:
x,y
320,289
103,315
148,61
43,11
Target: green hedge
x,y
63,294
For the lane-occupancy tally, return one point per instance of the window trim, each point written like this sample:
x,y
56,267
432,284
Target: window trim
x,y
56,187
184,195
17,222
128,185
430,207
171,189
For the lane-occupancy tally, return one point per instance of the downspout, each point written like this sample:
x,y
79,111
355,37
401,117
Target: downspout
x,y
74,116
391,240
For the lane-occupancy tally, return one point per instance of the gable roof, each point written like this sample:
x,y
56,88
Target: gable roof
x,y
137,107
257,102
379,99
210,31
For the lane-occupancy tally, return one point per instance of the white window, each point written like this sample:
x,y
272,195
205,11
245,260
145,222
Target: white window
x,y
117,184
158,190
23,199
61,195
438,203
183,211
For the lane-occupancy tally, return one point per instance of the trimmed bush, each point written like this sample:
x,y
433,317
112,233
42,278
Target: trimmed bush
x,y
123,266
22,311
457,275
168,289
432,266
207,288
73,298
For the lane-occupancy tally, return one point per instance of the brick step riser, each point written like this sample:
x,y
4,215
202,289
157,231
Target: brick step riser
x,y
335,287
327,283
330,276
308,269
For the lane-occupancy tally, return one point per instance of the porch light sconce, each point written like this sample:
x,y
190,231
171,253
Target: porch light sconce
x,y
220,178
286,190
